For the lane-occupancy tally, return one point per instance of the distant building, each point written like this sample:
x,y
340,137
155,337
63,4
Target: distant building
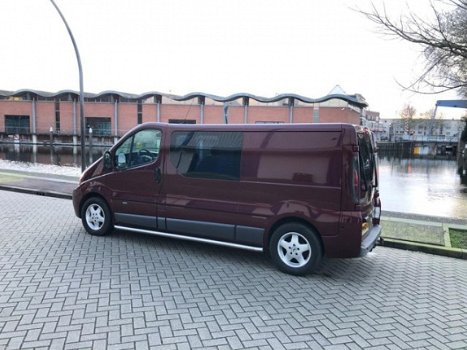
x,y
448,130
372,121
112,113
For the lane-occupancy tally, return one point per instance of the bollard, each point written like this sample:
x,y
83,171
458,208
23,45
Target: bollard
x,y
90,145
51,141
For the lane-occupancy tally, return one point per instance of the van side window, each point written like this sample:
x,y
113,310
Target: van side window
x,y
141,148
294,157
207,154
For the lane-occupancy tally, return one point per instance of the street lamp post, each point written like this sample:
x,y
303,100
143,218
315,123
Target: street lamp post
x,y
81,93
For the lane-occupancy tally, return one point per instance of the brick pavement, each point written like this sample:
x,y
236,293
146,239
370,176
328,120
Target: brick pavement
x,y
61,288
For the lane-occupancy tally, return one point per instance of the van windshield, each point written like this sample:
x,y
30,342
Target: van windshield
x,y
367,161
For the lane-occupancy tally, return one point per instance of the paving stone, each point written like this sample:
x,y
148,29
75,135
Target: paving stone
x,y
62,288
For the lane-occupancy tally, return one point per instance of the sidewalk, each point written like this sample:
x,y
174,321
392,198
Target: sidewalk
x,y
404,231
422,233
51,185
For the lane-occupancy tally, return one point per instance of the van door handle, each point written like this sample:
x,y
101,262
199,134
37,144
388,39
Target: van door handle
x,y
157,175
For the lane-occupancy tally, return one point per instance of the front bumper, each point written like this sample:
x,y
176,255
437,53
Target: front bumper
x,y
76,199
370,240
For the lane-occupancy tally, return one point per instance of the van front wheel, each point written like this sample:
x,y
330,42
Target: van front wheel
x,y
295,249
96,218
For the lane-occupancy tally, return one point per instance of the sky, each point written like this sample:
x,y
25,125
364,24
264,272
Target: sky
x,y
221,47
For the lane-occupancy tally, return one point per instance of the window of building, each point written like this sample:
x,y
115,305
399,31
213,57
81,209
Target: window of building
x,y
105,98
42,98
205,154
140,112
268,122
57,115
182,121
101,126
17,124
139,149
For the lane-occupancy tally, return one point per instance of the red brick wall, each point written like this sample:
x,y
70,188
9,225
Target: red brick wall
x,y
338,115
127,112
303,114
235,114
100,109
169,111
15,108
127,117
66,118
269,114
149,113
45,116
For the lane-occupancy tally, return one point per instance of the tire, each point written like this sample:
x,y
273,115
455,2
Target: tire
x,y
96,217
295,249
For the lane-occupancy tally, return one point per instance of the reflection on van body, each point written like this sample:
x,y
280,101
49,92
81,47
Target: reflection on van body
x,y
298,192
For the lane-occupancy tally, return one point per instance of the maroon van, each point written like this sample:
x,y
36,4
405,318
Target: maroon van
x,y
298,191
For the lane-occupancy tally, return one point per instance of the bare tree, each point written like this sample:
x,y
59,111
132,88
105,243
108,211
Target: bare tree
x,y
443,40
407,113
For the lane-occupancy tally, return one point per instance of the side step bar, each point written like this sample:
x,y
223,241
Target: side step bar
x,y
189,238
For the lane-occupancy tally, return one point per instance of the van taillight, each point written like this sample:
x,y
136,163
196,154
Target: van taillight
x,y
355,180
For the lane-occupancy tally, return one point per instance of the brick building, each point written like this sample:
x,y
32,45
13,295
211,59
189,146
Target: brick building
x,y
35,114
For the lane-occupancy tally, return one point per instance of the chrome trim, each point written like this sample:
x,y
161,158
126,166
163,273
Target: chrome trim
x,y
189,238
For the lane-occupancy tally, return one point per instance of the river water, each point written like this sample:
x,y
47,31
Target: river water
x,y
414,186
422,186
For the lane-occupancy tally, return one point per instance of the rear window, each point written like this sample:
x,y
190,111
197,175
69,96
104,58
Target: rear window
x,y
367,158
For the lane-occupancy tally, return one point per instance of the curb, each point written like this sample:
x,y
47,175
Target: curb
x,y
424,248
36,192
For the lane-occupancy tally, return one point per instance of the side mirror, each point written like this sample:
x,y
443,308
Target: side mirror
x,y
107,161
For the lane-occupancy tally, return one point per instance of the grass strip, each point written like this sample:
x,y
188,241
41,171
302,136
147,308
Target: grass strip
x,y
458,238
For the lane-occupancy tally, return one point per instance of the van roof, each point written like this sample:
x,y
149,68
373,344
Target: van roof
x,y
255,127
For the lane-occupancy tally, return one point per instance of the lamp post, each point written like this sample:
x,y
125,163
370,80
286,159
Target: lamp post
x,y
81,93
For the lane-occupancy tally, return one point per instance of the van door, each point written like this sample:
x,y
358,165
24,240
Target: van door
x,y
135,179
368,166
201,184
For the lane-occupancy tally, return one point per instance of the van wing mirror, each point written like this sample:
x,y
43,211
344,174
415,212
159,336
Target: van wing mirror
x,y
107,161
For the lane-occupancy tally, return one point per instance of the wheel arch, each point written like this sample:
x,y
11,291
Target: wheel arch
x,y
288,220
91,195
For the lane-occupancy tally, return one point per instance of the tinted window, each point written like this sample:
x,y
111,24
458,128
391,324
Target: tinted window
x,y
207,154
367,158
141,148
294,157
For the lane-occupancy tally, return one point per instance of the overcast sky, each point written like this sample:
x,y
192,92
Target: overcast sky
x,y
263,47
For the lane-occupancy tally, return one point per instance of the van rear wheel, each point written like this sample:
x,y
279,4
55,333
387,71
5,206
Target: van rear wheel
x,y
295,249
96,218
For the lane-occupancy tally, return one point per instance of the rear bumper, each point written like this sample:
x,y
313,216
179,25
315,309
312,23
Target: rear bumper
x,y
370,240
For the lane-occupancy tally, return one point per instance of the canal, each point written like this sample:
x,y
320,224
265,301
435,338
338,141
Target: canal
x,y
407,185
422,186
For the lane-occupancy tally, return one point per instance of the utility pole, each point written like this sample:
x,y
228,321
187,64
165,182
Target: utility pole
x,y
81,93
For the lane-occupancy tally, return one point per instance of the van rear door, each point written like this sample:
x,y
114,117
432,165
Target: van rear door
x,y
368,193
368,167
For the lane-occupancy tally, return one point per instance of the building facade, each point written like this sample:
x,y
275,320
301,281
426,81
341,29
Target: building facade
x,y
28,112
444,130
